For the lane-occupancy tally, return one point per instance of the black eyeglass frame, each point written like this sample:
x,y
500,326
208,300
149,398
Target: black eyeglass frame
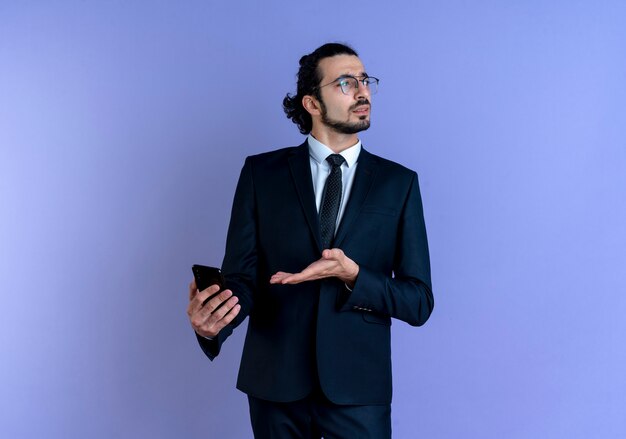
x,y
362,81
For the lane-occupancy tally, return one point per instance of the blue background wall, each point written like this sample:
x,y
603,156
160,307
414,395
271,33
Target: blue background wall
x,y
123,127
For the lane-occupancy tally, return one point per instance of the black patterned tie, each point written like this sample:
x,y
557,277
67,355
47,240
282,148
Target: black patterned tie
x,y
331,200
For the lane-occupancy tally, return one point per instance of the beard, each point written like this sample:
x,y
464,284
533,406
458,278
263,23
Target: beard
x,y
345,127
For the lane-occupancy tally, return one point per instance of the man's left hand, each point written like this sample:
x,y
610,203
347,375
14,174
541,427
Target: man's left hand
x,y
334,263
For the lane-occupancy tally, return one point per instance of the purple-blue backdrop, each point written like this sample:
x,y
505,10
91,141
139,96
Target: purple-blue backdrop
x,y
123,127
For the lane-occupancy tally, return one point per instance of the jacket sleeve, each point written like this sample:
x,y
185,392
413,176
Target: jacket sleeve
x,y
407,295
240,259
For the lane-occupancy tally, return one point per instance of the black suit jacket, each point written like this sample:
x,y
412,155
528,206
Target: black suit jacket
x,y
319,330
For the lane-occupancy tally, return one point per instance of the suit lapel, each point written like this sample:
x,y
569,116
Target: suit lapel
x,y
300,167
365,175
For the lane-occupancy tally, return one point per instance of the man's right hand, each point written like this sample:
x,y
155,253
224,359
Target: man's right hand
x,y
205,320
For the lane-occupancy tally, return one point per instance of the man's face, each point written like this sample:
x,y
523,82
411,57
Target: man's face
x,y
344,113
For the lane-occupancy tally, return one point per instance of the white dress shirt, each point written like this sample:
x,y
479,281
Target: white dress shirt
x,y
320,169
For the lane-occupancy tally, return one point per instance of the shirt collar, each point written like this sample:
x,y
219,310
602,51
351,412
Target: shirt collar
x,y
319,151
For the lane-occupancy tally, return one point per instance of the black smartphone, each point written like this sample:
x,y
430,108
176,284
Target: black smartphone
x,y
206,276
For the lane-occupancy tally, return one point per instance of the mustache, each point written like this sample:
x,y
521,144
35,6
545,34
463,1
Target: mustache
x,y
360,103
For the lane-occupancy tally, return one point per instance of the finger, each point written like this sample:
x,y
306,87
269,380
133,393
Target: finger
x,y
291,280
278,277
202,318
212,289
197,301
309,273
216,301
332,253
214,322
205,294
229,317
219,313
320,269
297,278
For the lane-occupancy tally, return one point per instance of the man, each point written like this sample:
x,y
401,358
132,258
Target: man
x,y
326,243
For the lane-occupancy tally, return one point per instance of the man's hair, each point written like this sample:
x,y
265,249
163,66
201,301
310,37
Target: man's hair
x,y
309,78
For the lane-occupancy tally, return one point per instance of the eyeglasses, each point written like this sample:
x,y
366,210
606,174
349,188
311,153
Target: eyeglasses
x,y
349,84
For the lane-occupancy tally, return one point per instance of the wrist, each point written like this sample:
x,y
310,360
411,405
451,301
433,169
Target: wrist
x,y
350,280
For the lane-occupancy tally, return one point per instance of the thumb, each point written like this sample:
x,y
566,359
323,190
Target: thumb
x,y
332,253
193,290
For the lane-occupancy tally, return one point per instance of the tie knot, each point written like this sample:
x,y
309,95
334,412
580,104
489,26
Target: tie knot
x,y
335,160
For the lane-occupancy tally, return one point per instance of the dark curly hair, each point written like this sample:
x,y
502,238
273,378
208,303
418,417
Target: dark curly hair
x,y
309,78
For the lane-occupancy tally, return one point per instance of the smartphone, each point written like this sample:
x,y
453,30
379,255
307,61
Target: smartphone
x,y
206,276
